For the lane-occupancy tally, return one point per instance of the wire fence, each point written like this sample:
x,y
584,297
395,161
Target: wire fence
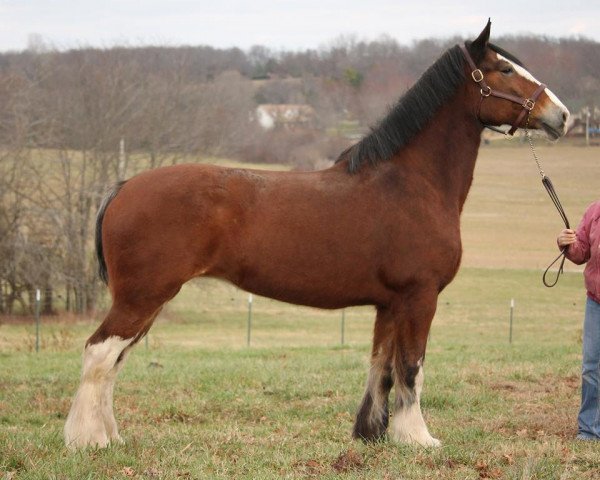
x,y
233,318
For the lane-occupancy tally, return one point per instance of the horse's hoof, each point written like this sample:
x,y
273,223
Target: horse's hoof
x,y
432,443
422,440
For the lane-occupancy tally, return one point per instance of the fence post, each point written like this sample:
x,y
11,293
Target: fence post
x,y
122,160
587,128
510,328
343,327
249,320
38,298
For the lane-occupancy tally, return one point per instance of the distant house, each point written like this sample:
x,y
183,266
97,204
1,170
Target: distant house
x,y
290,116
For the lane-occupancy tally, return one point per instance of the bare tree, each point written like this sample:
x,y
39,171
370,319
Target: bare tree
x,y
64,116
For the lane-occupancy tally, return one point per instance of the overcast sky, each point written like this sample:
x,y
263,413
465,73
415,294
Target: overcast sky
x,y
288,24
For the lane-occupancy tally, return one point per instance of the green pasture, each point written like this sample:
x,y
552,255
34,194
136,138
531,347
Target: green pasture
x,y
196,402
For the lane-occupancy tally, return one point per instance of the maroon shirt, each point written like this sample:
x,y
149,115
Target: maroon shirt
x,y
587,249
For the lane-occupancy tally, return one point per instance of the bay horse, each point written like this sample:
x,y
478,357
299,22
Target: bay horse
x,y
380,227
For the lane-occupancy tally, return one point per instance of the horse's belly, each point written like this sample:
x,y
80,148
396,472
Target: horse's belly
x,y
328,283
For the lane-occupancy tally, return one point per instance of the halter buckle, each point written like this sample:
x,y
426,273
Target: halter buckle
x,y
486,91
477,75
528,104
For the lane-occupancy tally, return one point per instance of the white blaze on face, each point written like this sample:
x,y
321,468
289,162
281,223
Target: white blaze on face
x,y
525,74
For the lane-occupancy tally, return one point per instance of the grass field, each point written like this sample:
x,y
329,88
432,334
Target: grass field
x,y
197,403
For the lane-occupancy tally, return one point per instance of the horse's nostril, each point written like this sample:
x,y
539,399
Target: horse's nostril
x,y
565,116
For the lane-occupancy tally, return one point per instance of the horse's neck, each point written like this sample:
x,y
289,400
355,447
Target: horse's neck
x,y
449,145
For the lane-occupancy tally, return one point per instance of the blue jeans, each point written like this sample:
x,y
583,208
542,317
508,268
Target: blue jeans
x,y
589,415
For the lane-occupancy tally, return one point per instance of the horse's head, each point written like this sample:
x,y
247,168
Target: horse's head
x,y
508,94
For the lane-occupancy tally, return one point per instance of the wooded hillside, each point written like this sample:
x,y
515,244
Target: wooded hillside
x,y
74,122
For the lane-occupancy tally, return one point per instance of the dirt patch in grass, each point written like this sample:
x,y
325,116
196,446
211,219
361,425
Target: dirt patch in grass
x,y
547,407
348,460
310,468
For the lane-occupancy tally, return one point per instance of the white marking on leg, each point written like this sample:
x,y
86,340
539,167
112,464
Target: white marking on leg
x,y
374,387
91,420
110,424
408,425
107,405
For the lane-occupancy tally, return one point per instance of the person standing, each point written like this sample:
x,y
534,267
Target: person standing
x,y
583,246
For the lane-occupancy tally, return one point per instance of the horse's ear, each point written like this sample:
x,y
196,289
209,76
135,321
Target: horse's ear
x,y
478,46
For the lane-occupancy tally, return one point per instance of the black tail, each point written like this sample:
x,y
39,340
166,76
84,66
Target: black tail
x,y
99,252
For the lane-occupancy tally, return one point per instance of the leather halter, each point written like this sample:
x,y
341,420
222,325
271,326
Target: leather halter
x,y
486,91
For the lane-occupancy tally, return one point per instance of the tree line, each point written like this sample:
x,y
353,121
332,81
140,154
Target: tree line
x,y
74,122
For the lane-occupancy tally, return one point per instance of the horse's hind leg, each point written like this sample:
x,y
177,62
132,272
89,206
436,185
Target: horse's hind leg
x,y
413,318
91,420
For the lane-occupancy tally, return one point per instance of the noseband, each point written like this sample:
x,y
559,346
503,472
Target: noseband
x,y
486,91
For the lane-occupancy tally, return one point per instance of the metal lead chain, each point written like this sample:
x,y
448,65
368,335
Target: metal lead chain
x,y
529,139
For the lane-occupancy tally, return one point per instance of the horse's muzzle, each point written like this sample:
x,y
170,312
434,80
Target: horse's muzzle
x,y
554,120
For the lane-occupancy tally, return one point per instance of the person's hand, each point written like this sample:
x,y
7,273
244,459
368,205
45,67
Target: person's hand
x,y
566,237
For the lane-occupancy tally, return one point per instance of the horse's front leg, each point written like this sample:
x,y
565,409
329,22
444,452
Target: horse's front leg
x,y
412,320
373,415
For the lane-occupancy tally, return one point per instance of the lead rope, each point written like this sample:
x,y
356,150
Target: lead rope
x,y
554,197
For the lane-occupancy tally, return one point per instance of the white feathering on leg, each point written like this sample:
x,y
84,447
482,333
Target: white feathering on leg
x,y
408,425
91,420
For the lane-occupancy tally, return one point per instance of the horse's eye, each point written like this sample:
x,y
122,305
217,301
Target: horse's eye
x,y
507,70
